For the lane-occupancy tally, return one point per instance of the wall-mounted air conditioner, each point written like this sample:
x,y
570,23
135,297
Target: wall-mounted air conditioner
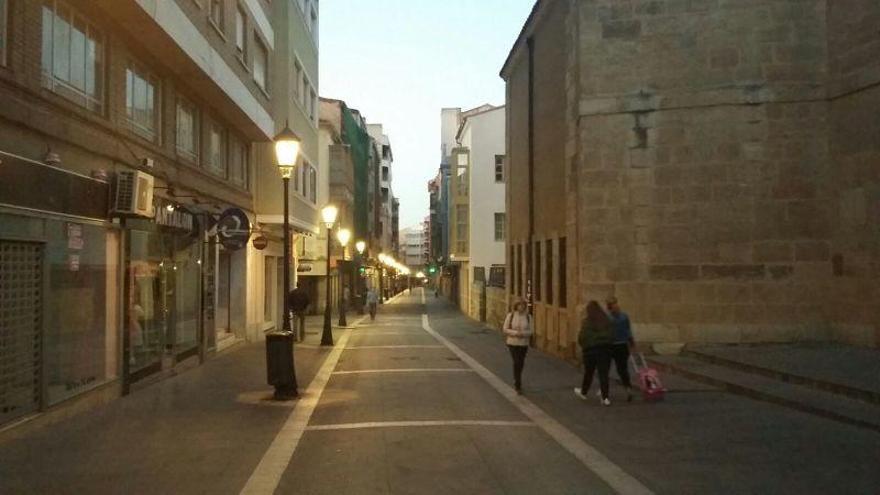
x,y
134,194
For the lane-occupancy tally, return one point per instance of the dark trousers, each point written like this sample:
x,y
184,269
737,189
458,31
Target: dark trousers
x,y
518,353
596,357
620,355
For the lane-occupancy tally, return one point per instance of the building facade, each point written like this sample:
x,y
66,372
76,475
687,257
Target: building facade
x,y
129,139
481,146
721,191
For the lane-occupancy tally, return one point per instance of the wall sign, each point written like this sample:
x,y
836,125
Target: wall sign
x,y
304,267
234,229
260,242
176,217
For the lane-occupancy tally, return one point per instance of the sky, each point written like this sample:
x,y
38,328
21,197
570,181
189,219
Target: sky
x,y
400,61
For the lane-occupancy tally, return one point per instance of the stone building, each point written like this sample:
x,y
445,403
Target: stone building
x,y
713,164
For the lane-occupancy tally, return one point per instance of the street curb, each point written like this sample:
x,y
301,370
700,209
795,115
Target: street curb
x,y
787,377
763,396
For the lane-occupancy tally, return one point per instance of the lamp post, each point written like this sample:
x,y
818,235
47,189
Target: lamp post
x,y
280,366
343,236
328,214
382,260
360,246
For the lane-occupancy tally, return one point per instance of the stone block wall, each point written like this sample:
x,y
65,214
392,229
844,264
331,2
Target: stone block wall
x,y
703,167
853,295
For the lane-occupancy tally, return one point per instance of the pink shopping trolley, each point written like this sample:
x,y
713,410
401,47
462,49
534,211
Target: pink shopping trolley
x,y
649,379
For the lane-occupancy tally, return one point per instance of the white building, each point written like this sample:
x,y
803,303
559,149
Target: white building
x,y
413,244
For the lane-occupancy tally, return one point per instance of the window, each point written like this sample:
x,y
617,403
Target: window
x,y
497,274
304,180
313,24
238,162
313,185
187,141
241,33
461,229
304,92
298,80
500,227
385,174
269,272
72,56
313,104
261,64
499,168
548,254
216,159
215,13
141,102
479,274
4,30
563,280
536,272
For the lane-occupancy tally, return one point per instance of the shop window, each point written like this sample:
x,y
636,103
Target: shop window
x,y
187,141
216,159
4,30
548,254
72,55
81,343
141,102
563,280
500,227
241,33
261,65
238,162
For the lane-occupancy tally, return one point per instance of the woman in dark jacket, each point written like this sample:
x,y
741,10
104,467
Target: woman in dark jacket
x,y
595,338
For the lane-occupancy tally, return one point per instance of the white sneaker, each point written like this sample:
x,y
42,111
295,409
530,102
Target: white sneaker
x,y
606,402
577,391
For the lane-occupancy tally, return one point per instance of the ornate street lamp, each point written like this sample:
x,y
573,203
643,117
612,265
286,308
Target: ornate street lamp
x,y
328,215
343,236
279,345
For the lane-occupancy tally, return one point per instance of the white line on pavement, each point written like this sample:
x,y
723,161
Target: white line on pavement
x,y
267,475
595,461
405,424
423,294
407,370
359,347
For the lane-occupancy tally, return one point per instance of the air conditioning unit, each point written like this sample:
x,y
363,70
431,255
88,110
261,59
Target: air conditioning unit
x,y
134,194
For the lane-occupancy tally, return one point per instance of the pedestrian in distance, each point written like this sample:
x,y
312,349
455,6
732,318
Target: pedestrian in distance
x,y
518,330
595,339
623,343
372,302
298,300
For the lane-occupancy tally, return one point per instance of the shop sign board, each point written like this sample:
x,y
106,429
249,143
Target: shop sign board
x,y
260,242
234,229
176,218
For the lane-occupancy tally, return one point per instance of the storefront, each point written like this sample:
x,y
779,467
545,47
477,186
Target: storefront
x,y
164,291
59,285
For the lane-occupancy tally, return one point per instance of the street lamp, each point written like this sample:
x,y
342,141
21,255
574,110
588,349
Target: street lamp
x,y
279,345
328,214
343,236
383,259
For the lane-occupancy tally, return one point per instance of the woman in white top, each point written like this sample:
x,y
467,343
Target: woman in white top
x,y
518,329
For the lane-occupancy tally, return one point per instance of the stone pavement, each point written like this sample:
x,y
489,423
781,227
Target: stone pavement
x,y
395,408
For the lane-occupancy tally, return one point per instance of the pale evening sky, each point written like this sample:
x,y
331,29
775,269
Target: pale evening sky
x,y
400,61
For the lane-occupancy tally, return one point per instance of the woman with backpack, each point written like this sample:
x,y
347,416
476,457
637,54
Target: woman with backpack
x,y
595,338
518,329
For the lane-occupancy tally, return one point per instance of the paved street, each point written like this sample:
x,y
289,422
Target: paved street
x,y
419,402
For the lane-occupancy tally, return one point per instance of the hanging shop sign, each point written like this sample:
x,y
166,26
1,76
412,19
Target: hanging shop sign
x,y
260,242
304,267
234,229
175,217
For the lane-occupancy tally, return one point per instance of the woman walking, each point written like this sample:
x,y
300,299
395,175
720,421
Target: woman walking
x,y
595,338
518,329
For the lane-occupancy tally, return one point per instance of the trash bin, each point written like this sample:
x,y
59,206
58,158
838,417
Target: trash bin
x,y
279,364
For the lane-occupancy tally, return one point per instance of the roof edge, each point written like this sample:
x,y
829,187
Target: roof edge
x,y
534,15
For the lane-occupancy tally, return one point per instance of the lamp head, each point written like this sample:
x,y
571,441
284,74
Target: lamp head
x,y
287,146
328,214
343,236
360,246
